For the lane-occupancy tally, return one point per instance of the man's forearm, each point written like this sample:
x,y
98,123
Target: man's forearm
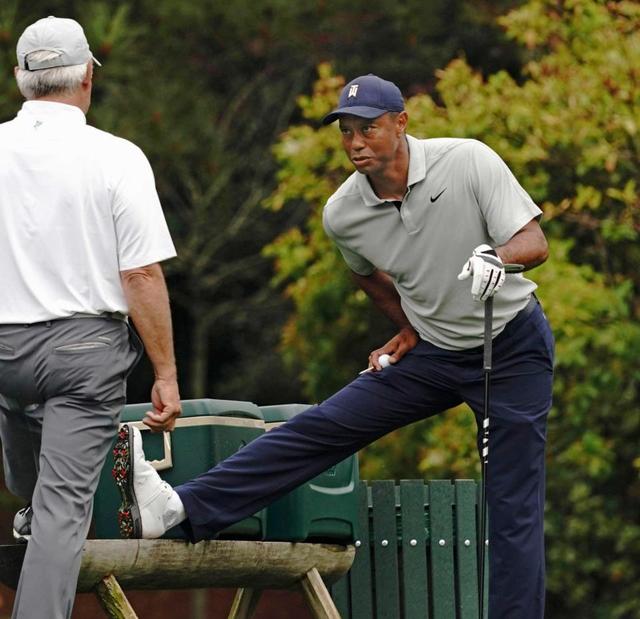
x,y
527,247
148,299
380,289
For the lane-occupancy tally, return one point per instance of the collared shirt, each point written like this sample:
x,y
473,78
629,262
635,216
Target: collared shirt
x,y
460,194
77,206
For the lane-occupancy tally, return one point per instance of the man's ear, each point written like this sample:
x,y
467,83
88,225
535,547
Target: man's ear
x,y
401,121
88,76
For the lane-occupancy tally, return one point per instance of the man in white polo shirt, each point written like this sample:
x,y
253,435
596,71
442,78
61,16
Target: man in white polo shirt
x,y
81,235
406,221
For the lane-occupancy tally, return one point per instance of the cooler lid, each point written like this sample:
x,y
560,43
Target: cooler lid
x,y
200,407
282,412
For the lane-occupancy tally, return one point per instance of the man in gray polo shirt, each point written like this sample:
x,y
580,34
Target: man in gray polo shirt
x,y
81,237
415,222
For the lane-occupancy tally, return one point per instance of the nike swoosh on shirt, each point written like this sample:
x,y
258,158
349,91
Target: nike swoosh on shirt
x,y
434,199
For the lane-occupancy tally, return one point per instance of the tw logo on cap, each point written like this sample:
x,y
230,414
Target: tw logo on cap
x,y
353,91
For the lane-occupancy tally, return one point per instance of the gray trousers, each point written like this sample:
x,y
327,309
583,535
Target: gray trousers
x,y
62,388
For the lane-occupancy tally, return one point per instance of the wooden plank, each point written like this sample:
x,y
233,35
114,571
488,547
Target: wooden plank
x,y
441,547
360,579
385,535
113,600
415,591
152,564
245,603
466,549
178,564
317,597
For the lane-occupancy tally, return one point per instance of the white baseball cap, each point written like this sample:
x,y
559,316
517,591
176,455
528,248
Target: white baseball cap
x,y
54,34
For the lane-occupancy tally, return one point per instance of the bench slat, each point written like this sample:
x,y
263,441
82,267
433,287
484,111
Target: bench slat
x,y
466,549
486,554
340,594
415,589
441,546
361,588
385,542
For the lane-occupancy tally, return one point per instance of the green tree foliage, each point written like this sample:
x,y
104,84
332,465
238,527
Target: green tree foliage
x,y
205,88
569,131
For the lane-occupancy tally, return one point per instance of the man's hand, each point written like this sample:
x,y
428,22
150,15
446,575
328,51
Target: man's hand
x,y
396,348
165,398
488,272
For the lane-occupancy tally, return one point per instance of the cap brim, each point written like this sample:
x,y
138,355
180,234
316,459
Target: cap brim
x,y
96,61
354,110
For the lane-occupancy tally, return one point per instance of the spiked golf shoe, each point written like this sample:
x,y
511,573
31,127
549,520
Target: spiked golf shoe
x,y
149,506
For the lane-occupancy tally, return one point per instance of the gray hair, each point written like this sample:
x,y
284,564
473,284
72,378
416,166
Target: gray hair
x,y
54,81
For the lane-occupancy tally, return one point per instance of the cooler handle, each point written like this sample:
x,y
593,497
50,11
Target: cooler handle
x,y
166,462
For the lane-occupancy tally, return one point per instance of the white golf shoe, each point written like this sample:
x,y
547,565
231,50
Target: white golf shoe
x,y
149,506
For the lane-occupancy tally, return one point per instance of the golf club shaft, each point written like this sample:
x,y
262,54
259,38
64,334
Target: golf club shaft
x,y
487,362
488,350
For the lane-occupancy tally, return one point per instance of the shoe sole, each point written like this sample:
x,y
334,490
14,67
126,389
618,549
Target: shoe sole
x,y
128,514
19,538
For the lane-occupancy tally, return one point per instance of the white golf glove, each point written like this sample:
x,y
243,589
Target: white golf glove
x,y
487,270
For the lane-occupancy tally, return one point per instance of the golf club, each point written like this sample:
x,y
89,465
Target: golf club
x,y
488,349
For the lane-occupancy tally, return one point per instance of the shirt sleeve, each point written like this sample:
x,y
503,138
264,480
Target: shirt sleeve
x,y
505,205
354,261
141,229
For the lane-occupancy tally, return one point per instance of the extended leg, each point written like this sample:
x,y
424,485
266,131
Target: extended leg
x,y
313,441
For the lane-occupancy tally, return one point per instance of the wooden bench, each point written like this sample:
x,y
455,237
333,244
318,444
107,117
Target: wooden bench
x,y
415,558
417,553
109,566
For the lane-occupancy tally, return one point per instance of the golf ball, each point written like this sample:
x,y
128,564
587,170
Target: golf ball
x,y
383,360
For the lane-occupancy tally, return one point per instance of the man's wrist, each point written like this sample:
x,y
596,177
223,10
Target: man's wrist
x,y
409,330
168,374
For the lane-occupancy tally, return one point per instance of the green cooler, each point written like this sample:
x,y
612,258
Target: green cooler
x,y
323,509
207,432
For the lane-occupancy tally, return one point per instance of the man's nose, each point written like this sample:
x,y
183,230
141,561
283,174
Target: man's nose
x,y
357,143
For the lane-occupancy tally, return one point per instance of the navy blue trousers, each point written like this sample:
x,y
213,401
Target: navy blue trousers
x,y
426,381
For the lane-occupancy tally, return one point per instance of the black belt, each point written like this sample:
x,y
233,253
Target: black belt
x,y
112,315
108,315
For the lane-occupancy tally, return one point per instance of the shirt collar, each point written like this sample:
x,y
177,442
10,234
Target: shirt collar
x,y
417,161
52,110
417,173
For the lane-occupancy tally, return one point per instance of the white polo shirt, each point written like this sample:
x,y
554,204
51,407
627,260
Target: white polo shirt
x,y
460,194
77,206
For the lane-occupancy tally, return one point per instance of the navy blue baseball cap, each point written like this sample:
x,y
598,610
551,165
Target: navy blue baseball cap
x,y
367,96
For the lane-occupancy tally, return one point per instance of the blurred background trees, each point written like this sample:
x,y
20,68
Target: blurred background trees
x,y
205,88
225,99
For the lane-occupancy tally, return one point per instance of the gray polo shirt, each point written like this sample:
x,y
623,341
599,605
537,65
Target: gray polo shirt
x,y
460,194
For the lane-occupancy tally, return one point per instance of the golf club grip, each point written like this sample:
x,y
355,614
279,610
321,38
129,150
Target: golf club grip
x,y
488,332
513,268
